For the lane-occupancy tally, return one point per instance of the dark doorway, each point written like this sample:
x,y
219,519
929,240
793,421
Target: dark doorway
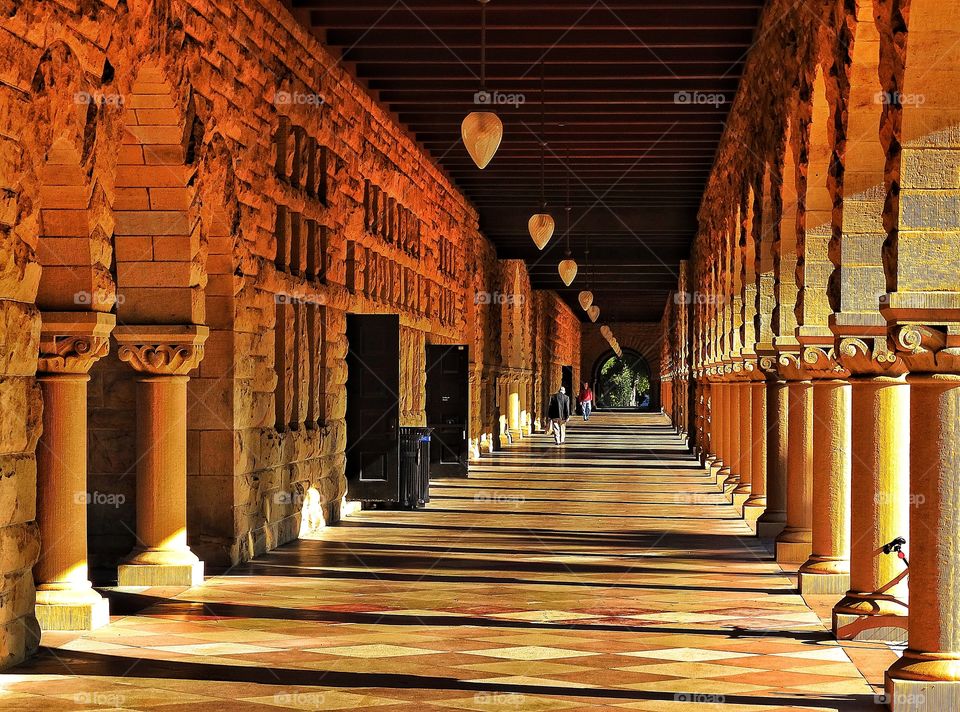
x,y
448,409
622,382
566,380
373,407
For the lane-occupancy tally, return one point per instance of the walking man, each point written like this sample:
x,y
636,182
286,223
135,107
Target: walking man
x,y
559,413
586,401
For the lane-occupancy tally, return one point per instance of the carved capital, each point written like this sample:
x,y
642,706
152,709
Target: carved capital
x,y
821,362
71,342
870,356
162,350
927,350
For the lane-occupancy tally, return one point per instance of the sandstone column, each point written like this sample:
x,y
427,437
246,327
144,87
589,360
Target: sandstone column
x,y
774,518
513,408
828,568
880,440
164,355
757,501
793,543
70,343
744,432
930,667
732,431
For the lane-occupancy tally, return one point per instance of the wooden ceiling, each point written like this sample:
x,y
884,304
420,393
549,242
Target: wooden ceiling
x,y
620,135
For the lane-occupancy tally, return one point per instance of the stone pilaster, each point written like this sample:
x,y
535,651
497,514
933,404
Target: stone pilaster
x,y
70,343
163,355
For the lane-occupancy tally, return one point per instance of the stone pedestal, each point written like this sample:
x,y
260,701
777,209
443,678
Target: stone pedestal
x,y
794,542
164,355
880,441
774,518
828,568
70,344
927,677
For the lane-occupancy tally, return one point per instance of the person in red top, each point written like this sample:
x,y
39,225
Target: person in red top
x,y
586,400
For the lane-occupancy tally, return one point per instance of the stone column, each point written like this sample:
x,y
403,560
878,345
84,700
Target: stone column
x,y
732,431
928,673
757,501
793,543
513,408
163,355
880,482
718,430
70,343
774,517
828,568
744,434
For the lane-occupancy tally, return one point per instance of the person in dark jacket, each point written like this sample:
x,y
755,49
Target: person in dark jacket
x,y
559,413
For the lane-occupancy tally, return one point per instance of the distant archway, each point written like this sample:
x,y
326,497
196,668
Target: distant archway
x,y
622,382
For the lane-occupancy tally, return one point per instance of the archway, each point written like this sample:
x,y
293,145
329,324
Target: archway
x,y
622,382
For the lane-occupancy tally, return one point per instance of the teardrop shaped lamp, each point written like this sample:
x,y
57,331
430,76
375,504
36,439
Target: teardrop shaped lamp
x,y
482,132
568,271
586,299
541,228
593,312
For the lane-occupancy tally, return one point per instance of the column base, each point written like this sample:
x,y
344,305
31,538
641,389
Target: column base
x,y
161,568
740,498
794,546
814,583
870,617
921,695
751,515
71,609
771,524
516,434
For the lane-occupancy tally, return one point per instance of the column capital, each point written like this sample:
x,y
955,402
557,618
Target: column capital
x,y
925,349
870,356
162,350
71,342
813,362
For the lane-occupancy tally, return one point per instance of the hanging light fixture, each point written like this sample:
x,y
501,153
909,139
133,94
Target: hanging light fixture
x,y
594,313
482,130
541,225
586,296
568,267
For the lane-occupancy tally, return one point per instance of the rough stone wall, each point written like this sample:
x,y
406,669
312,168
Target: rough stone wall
x,y
643,337
557,335
192,162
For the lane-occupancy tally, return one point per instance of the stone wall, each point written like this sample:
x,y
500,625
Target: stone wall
x,y
181,162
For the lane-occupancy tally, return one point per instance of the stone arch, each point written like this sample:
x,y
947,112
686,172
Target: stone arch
x,y
632,355
71,214
158,237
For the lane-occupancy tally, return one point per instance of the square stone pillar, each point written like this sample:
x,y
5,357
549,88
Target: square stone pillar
x,y
70,343
163,355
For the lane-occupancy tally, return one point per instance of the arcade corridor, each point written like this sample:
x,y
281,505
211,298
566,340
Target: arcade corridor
x,y
609,574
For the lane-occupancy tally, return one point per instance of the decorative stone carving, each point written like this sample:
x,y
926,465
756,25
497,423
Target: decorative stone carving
x,y
162,350
870,356
70,342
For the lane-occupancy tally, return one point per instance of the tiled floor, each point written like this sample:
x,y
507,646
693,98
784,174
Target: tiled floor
x,y
606,574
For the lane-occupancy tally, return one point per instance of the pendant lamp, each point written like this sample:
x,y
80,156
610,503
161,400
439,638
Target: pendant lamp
x,y
585,298
541,225
482,131
568,267
594,313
